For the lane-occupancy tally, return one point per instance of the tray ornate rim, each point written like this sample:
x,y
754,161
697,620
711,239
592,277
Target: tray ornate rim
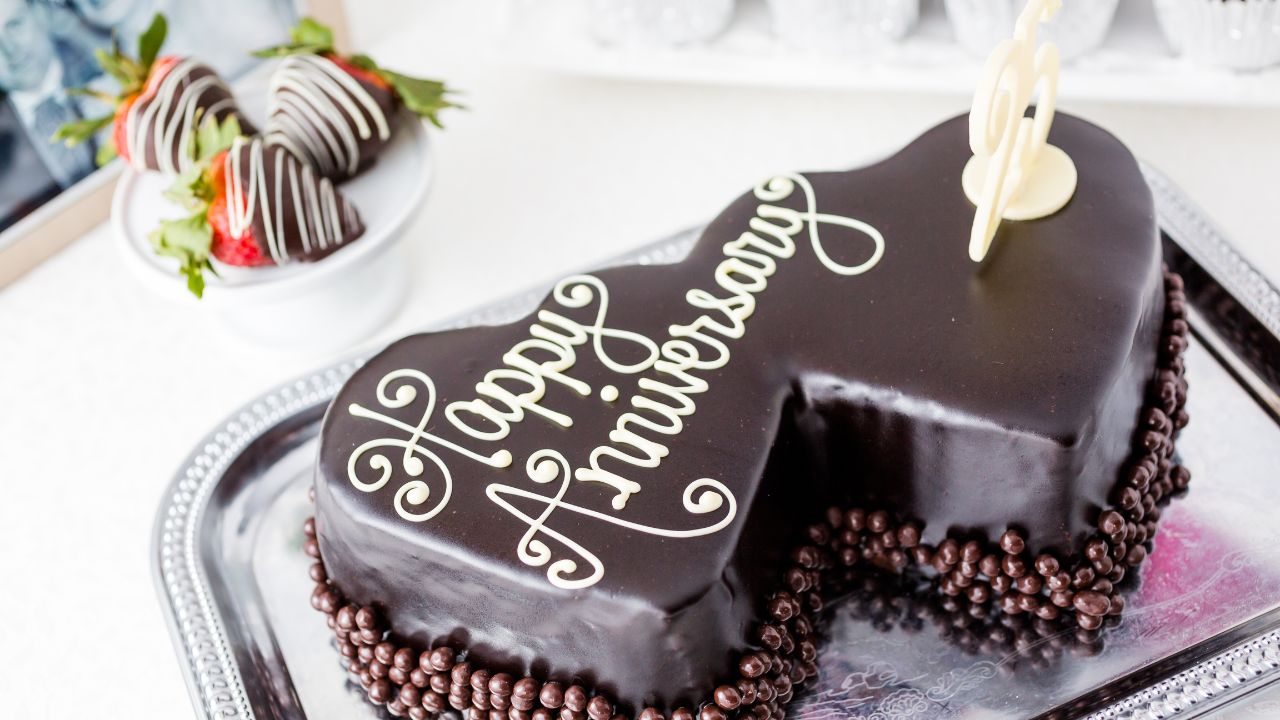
x,y
214,678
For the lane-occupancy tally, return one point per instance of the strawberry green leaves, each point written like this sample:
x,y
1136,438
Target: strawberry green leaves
x,y
425,98
74,133
308,38
132,76
151,40
187,239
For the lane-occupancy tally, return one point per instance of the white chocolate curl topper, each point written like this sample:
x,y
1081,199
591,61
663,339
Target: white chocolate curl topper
x,y
1014,173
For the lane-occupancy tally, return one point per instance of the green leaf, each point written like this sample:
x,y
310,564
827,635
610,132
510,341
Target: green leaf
x,y
291,49
213,137
191,189
308,37
310,32
112,65
151,40
188,240
424,97
74,133
106,152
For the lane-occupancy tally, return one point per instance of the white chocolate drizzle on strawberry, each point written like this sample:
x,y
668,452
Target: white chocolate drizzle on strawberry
x,y
320,113
168,111
259,181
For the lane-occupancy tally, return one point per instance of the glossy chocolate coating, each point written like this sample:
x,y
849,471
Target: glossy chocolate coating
x,y
185,99
305,216
971,397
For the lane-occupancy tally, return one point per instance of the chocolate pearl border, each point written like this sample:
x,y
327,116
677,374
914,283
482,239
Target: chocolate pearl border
x,y
974,572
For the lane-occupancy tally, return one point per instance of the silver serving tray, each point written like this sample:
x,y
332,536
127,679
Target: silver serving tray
x,y
1202,629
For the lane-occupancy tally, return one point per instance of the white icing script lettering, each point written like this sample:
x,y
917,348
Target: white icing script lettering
x,y
700,497
665,394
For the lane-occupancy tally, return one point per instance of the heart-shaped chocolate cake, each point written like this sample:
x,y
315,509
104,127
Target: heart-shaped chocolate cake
x,y
605,495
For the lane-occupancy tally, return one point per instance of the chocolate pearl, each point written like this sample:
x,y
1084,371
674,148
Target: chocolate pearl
x,y
682,713
1062,598
521,704
819,534
1001,583
770,637
781,608
1088,622
397,676
747,690
922,554
1013,566
1102,585
598,708
878,521
346,617
971,552
439,683
366,618
751,666
552,695
909,535
1136,555
855,519
1091,602
419,677
1117,604
1028,584
575,698
442,658
459,698
379,691
433,701
1180,476
397,708
500,685
480,680
1011,542
1095,549
1046,565
979,593
1048,611
526,687
1117,573
1083,577
317,573
404,659
1104,565
711,712
409,695
948,552
384,652
765,692
989,565
1028,603
369,636
1009,603
727,697
365,653
949,586
417,712
650,713
461,674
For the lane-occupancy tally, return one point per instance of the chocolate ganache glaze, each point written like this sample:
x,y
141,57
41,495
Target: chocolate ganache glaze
x,y
602,489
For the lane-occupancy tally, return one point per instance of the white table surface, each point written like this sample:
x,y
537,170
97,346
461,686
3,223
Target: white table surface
x,y
105,387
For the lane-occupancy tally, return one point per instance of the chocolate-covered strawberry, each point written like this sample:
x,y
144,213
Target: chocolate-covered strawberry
x,y
336,112
252,205
161,102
